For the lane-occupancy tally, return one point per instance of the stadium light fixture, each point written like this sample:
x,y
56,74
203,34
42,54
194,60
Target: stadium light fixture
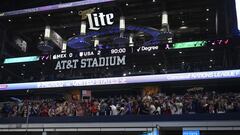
x,y
165,25
122,25
131,43
47,32
83,28
96,42
164,18
64,47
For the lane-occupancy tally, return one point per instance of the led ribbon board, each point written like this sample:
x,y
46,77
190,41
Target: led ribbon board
x,y
53,7
193,44
124,80
191,132
237,3
21,59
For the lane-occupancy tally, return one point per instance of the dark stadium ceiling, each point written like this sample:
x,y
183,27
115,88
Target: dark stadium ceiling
x,y
197,16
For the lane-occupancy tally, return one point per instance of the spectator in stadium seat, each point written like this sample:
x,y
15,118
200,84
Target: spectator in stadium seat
x,y
166,110
211,108
1,113
135,107
126,107
79,110
66,109
114,110
238,106
220,106
6,109
121,109
59,109
103,107
144,107
152,108
72,108
44,110
14,111
157,107
52,111
24,111
34,111
173,107
229,106
179,106
95,108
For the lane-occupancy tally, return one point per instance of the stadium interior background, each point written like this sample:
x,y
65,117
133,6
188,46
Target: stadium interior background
x,y
137,67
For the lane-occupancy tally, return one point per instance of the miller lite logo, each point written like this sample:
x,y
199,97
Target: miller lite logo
x,y
96,20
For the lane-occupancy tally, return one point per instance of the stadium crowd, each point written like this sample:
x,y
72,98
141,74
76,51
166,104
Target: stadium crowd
x,y
160,104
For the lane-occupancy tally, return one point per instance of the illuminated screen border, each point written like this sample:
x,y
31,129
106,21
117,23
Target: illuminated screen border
x,y
237,5
53,7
